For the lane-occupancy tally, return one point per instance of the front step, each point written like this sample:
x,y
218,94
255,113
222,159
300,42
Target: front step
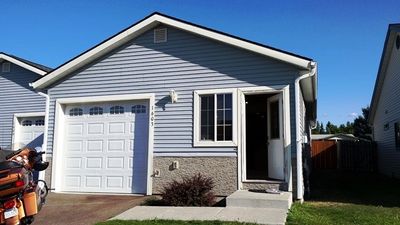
x,y
244,198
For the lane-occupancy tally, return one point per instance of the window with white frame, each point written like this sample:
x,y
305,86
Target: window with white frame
x,y
215,118
117,110
27,123
96,111
39,123
76,112
139,109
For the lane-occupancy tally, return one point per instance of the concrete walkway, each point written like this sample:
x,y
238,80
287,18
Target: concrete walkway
x,y
250,215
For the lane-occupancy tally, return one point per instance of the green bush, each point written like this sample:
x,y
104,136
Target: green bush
x,y
191,191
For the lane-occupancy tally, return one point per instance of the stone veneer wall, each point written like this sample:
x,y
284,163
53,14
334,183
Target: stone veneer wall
x,y
223,170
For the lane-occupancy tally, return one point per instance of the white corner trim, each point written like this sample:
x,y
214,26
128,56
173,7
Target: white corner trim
x,y
42,174
151,22
149,190
196,118
59,132
22,64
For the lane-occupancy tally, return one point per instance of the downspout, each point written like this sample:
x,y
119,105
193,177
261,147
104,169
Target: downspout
x,y
46,126
299,161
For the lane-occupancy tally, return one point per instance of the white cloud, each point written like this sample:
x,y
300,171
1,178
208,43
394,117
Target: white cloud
x,y
353,115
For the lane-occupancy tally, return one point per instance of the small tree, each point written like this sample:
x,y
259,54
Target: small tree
x,y
361,126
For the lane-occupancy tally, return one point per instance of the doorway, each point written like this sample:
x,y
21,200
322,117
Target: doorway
x,y
264,137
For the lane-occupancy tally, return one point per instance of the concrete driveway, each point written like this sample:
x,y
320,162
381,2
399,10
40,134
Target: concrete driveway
x,y
69,209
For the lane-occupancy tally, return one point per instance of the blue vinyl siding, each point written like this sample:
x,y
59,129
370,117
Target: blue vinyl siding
x,y
16,97
185,63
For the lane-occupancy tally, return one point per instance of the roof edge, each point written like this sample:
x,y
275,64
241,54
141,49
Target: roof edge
x,y
22,64
152,20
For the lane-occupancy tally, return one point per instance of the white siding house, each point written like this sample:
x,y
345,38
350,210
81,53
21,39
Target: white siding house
x,y
165,98
385,105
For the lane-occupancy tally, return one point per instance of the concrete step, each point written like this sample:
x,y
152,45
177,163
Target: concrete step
x,y
247,215
244,198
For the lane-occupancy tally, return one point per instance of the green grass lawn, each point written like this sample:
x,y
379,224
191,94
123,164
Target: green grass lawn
x,y
169,222
349,198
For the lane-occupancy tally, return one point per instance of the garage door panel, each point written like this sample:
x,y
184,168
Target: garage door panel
x,y
95,145
116,145
26,136
75,129
73,181
94,163
115,182
115,162
93,181
111,149
116,128
95,128
73,162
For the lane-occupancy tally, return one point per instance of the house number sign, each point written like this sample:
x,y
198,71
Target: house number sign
x,y
152,116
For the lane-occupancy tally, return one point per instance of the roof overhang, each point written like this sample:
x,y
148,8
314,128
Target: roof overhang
x,y
153,21
390,40
22,64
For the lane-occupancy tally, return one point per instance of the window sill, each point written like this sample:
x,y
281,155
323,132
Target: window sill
x,y
214,144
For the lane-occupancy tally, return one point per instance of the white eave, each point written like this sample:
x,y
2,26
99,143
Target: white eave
x,y
22,64
152,21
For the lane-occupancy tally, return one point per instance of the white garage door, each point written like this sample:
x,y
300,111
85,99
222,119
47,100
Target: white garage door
x,y
106,147
30,133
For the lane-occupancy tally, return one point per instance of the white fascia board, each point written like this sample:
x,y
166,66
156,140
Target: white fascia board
x,y
152,21
302,63
22,64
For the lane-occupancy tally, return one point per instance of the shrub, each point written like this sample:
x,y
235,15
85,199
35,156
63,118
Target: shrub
x,y
191,191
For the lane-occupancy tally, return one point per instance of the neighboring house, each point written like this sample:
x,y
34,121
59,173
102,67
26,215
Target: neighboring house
x,y
335,137
385,105
22,110
166,98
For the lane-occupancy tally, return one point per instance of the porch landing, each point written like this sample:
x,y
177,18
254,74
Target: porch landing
x,y
244,198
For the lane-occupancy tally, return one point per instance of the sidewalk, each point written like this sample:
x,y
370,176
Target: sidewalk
x,y
250,215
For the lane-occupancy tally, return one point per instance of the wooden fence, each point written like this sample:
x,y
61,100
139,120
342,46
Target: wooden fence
x,y
344,155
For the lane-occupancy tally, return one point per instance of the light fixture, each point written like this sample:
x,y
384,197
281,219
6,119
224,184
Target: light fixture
x,y
173,96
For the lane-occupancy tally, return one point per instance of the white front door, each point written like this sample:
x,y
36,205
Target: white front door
x,y
106,147
30,133
275,138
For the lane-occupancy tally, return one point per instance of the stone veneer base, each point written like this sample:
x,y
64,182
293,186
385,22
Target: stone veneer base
x,y
223,170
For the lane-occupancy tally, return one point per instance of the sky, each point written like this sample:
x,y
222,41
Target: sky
x,y
345,38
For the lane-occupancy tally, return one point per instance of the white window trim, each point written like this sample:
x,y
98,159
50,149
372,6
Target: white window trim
x,y
196,119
